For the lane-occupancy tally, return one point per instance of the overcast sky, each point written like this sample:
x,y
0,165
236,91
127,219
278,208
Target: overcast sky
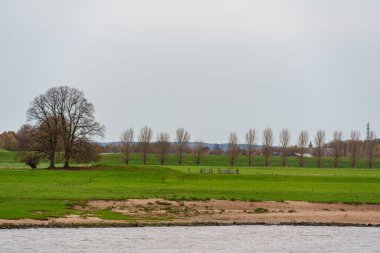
x,y
210,66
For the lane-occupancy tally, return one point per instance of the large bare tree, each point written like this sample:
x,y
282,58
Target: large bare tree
x,y
163,147
199,151
354,145
337,144
182,140
268,140
63,114
126,140
250,141
371,143
303,140
233,148
319,143
145,137
284,142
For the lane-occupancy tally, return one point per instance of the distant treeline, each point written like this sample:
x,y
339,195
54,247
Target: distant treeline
x,y
164,150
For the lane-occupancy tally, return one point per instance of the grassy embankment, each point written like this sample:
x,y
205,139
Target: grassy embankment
x,y
43,193
222,160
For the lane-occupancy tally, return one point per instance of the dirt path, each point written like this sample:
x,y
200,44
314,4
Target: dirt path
x,y
164,212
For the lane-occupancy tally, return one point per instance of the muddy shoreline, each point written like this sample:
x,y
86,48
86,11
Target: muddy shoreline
x,y
130,225
159,212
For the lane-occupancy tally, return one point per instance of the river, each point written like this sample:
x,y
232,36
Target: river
x,y
193,239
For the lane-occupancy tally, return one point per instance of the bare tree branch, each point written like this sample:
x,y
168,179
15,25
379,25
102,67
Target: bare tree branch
x,y
199,151
127,139
319,142
303,140
250,140
233,148
163,146
284,141
337,146
267,145
354,145
145,138
182,140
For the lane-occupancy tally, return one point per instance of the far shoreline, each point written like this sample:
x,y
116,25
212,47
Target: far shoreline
x,y
206,224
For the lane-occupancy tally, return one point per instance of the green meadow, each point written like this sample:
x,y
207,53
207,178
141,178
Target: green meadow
x,y
44,193
8,159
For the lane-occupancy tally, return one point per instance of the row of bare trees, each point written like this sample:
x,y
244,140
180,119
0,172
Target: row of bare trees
x,y
251,137
162,146
303,140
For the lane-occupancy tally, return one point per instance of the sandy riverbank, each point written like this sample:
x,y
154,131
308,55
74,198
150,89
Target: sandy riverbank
x,y
158,212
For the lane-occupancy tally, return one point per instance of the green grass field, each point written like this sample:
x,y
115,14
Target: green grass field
x,y
43,193
9,159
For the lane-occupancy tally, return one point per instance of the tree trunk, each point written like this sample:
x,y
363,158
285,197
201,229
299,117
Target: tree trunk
x,y
126,158
145,151
52,161
370,162
180,158
283,157
32,165
67,160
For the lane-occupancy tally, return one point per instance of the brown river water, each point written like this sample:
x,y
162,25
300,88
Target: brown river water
x,y
193,239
